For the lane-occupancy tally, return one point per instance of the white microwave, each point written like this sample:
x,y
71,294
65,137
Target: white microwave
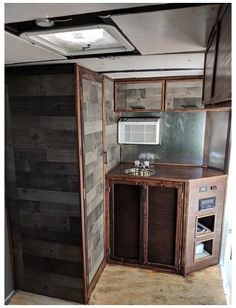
x,y
139,131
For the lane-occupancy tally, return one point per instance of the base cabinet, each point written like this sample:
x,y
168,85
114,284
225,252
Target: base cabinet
x,y
204,223
145,223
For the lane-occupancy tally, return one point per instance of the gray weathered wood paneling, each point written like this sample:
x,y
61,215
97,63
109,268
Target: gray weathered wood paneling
x,y
113,148
94,182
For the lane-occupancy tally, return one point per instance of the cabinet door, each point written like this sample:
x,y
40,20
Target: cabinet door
x,y
125,222
184,94
138,95
163,226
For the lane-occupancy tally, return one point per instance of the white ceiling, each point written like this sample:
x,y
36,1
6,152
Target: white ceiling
x,y
169,31
179,30
18,50
15,12
186,61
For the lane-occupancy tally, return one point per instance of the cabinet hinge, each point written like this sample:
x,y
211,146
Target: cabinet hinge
x,y
84,193
182,196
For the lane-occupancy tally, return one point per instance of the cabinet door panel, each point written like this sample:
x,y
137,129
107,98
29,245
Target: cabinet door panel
x,y
138,95
162,217
126,221
184,94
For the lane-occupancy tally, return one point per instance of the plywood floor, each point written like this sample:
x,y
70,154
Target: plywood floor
x,y
121,285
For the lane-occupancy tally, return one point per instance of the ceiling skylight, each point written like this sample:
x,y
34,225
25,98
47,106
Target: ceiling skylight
x,y
80,41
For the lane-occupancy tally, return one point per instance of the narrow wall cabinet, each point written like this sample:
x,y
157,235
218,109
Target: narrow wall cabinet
x,y
145,223
217,71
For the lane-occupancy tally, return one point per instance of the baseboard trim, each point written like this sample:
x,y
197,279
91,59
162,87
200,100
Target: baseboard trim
x,y
8,298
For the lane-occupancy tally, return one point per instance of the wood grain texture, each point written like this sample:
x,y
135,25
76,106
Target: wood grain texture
x,y
111,129
209,67
191,263
166,172
125,213
223,62
123,285
145,224
45,215
27,298
162,220
91,114
120,285
217,69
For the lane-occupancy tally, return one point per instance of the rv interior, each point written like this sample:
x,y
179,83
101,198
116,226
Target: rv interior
x,y
117,153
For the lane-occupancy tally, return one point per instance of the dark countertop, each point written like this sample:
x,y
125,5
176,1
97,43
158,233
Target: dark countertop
x,y
166,172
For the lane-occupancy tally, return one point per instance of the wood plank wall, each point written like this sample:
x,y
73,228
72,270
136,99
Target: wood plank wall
x,y
91,108
44,211
111,126
10,189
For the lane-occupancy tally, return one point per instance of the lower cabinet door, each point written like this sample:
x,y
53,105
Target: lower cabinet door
x,y
163,226
125,222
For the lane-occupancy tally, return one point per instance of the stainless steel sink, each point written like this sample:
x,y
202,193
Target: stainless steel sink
x,y
139,172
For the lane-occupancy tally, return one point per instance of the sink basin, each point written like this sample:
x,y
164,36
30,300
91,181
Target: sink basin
x,y
139,172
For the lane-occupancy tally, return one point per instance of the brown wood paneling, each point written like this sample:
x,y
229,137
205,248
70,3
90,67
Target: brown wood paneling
x,y
165,172
45,214
217,69
209,65
223,63
194,195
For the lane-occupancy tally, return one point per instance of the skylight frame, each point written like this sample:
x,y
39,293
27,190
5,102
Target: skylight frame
x,y
125,46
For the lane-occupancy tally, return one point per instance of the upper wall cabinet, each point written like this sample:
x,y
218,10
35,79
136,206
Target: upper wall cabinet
x,y
217,73
184,94
167,94
139,95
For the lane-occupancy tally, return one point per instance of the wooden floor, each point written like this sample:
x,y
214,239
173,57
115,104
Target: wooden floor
x,y
120,285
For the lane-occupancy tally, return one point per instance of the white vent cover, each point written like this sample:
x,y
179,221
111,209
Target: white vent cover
x,y
139,131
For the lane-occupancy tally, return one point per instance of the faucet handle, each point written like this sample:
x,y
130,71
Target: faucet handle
x,y
146,164
136,163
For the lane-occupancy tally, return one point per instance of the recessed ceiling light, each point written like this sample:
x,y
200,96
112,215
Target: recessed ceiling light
x,y
80,41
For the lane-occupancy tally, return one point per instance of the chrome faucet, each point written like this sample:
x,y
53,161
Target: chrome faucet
x,y
141,165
